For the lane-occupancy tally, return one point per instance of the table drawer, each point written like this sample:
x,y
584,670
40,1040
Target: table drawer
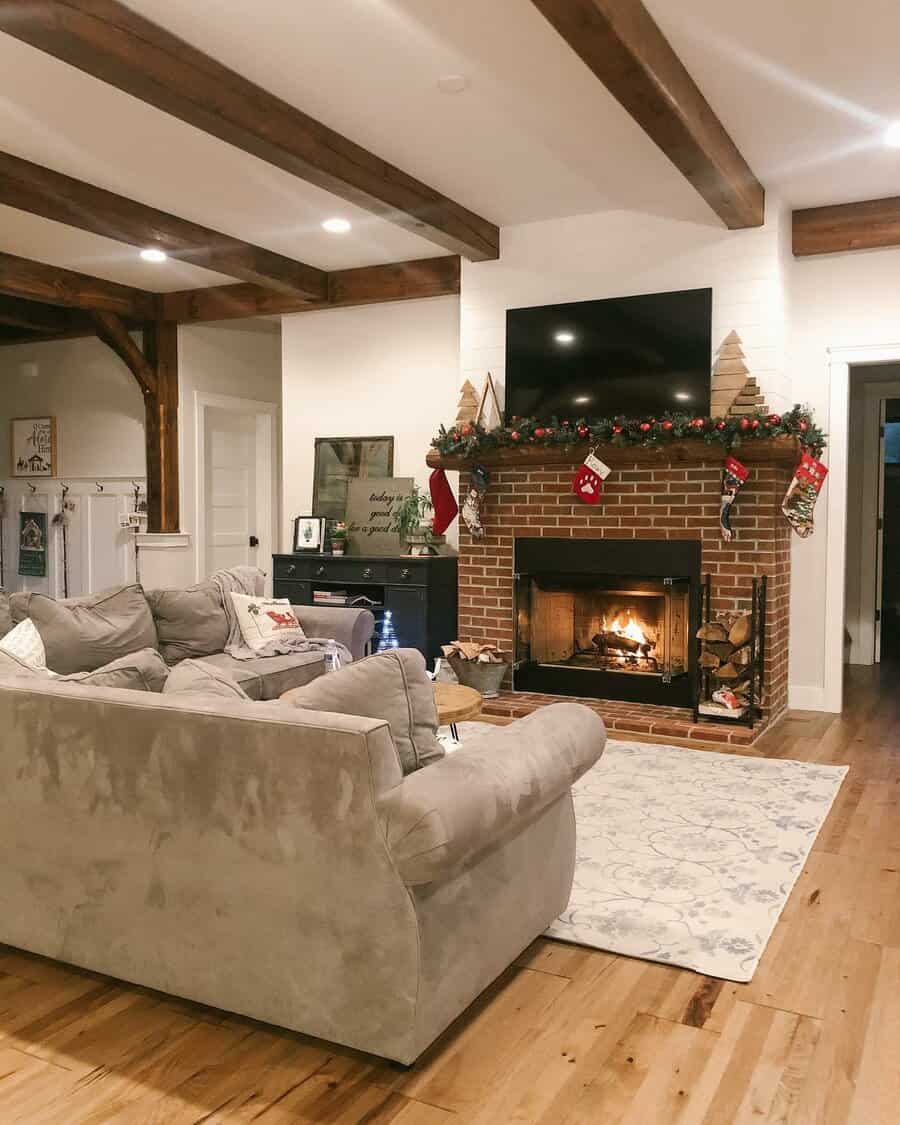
x,y
330,569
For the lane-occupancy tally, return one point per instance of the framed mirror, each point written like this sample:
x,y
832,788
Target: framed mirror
x,y
342,459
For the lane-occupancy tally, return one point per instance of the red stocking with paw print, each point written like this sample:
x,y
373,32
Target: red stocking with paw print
x,y
587,483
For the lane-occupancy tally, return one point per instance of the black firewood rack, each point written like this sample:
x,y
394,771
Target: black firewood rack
x,y
754,682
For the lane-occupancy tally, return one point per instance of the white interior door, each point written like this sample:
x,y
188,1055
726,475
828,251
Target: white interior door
x,y
236,483
879,534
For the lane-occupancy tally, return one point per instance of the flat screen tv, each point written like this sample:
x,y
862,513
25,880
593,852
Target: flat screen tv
x,y
634,356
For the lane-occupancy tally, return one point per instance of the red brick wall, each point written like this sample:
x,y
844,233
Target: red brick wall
x,y
666,501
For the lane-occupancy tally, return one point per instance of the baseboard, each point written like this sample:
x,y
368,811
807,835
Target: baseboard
x,y
806,697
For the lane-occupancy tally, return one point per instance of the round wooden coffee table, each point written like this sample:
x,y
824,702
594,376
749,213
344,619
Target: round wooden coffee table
x,y
456,703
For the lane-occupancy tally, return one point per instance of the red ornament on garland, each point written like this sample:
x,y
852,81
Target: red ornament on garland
x,y
514,436
745,424
583,431
773,420
539,432
644,427
754,423
454,435
466,431
720,425
698,423
667,425
803,426
617,429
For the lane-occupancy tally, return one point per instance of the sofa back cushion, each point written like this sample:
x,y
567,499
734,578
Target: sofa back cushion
x,y
140,671
390,685
6,621
190,622
82,638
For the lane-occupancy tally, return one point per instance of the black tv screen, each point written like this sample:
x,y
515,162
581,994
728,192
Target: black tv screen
x,y
634,356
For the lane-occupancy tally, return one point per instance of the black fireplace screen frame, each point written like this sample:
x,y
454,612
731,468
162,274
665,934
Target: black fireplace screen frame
x,y
655,559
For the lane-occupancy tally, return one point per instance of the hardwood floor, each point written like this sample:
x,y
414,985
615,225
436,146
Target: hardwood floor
x,y
567,1035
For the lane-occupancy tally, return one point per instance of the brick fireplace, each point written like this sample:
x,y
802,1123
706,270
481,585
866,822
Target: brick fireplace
x,y
661,496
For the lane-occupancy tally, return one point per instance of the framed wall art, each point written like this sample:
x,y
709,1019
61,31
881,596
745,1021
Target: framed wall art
x,y
33,447
33,544
309,533
340,460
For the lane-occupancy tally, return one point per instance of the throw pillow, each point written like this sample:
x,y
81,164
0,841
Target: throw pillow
x,y
140,671
84,637
193,677
6,621
23,643
390,685
265,619
189,622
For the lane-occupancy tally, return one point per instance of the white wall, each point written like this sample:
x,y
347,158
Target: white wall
x,y
837,301
620,253
98,407
377,369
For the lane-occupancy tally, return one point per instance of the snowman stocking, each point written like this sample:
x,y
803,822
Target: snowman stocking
x,y
802,493
474,501
734,475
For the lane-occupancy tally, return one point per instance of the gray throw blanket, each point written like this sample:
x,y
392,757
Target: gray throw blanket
x,y
250,580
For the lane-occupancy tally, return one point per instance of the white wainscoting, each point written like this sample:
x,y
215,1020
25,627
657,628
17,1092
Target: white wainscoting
x,y
100,553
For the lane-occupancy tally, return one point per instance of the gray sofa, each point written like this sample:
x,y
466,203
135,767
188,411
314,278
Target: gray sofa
x,y
179,624
275,861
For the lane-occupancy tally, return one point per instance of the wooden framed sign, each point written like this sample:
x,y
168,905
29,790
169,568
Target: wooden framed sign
x,y
371,507
33,447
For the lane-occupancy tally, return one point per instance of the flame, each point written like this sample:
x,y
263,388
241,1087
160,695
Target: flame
x,y
626,626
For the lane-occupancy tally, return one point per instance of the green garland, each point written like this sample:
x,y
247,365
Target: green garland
x,y
470,440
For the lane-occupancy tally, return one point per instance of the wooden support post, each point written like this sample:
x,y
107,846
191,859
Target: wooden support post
x,y
161,352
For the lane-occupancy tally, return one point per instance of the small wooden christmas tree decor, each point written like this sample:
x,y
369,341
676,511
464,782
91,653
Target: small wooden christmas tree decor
x,y
468,404
734,390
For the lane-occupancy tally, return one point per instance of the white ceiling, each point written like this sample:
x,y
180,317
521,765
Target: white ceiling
x,y
806,88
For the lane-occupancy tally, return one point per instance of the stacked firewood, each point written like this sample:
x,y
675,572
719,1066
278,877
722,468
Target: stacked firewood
x,y
727,653
472,650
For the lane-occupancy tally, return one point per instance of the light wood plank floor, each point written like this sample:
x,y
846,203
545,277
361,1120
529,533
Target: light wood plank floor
x,y
567,1035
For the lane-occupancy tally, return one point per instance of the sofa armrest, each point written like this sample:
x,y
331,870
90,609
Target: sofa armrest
x,y
441,816
351,627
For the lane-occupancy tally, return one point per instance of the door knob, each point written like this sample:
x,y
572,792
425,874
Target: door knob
x,y
254,542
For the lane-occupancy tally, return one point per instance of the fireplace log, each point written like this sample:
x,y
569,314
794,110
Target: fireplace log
x,y
623,644
709,660
712,631
722,649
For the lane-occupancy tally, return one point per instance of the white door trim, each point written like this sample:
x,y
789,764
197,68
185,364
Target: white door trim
x,y
266,477
840,360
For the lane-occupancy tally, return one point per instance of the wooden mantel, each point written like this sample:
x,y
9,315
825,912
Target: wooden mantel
x,y
783,450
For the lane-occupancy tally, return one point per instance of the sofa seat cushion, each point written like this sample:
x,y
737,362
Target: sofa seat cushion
x,y
140,671
393,686
86,636
189,623
269,677
203,682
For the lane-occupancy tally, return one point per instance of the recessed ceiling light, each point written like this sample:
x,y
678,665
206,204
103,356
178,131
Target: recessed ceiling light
x,y
582,399
682,396
564,337
336,226
453,83
892,135
154,254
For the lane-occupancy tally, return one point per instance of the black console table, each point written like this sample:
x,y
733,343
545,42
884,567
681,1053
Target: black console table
x,y
419,593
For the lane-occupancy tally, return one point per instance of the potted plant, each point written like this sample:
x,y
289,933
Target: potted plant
x,y
338,537
410,521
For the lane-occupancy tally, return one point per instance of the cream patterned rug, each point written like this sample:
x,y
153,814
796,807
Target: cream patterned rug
x,y
687,856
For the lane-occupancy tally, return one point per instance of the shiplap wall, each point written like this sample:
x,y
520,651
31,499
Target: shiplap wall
x,y
100,553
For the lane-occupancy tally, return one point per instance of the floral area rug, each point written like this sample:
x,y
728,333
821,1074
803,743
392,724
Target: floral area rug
x,y
687,856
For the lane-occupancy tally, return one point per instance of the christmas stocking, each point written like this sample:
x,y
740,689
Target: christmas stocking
x,y
474,501
445,507
733,477
802,493
587,484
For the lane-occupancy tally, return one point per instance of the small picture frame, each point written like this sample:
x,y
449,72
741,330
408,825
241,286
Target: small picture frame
x,y
33,447
309,533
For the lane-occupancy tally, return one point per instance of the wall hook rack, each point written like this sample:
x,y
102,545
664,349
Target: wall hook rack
x,y
99,486
32,488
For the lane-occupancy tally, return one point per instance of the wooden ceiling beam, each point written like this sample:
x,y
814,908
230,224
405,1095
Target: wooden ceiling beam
x,y
53,285
107,40
399,281
31,316
867,225
41,191
622,44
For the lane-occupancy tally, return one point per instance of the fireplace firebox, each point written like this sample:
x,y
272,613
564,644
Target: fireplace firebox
x,y
607,619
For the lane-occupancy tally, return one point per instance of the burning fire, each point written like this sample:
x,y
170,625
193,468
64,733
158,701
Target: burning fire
x,y
626,626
